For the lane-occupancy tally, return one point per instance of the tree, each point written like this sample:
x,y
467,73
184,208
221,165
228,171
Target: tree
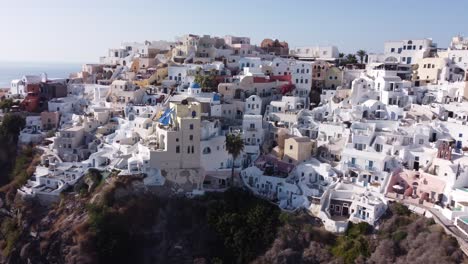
x,y
12,125
351,59
6,104
208,83
341,59
361,54
234,146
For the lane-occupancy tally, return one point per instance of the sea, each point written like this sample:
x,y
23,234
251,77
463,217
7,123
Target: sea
x,y
15,70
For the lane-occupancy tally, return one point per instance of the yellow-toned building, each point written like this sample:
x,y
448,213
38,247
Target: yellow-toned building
x,y
430,71
158,76
297,149
333,77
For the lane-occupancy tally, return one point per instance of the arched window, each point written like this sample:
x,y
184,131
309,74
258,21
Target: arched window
x,y
207,150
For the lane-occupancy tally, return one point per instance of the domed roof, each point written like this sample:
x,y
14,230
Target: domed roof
x,y
195,85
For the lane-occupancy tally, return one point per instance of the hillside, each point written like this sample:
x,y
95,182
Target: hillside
x,y
118,221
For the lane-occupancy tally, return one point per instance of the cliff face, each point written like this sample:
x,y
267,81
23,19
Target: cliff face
x,y
119,221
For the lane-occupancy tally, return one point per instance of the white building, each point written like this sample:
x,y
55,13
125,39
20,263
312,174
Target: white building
x,y
315,53
404,51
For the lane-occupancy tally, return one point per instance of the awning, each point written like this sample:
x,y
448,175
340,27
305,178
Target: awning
x,y
398,187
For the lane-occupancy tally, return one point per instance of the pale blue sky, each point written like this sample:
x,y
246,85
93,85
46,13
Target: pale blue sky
x,y
81,31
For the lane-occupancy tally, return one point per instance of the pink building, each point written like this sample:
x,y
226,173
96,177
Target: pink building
x,y
417,185
50,120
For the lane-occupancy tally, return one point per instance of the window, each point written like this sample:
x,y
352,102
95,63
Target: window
x,y
378,147
191,137
177,149
290,147
252,126
392,50
207,150
193,148
421,141
191,126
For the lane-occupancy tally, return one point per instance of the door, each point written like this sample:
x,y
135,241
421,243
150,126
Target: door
x,y
345,211
416,165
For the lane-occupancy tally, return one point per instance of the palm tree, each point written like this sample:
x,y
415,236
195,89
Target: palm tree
x,y
361,54
341,59
351,59
234,146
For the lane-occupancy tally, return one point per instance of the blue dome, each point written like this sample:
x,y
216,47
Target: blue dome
x,y
195,85
216,97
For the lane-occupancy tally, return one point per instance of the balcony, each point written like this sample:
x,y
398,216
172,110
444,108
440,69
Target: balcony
x,y
359,216
370,168
352,165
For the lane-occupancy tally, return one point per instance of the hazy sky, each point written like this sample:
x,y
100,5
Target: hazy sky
x,y
81,31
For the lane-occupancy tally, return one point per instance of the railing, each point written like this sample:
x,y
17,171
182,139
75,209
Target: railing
x,y
359,216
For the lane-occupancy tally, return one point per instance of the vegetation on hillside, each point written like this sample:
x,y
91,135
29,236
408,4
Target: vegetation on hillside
x,y
121,222
403,237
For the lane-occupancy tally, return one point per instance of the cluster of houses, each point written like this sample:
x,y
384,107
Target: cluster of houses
x,y
338,140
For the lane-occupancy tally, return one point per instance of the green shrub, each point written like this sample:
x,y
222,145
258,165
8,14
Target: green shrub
x,y
246,223
111,234
400,209
354,243
399,236
11,233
